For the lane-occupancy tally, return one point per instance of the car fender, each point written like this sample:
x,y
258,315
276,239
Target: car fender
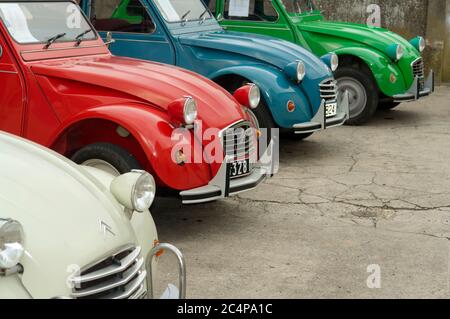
x,y
152,131
276,89
12,288
381,67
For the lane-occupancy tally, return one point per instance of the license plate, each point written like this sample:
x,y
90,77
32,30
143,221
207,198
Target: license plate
x,y
239,168
331,109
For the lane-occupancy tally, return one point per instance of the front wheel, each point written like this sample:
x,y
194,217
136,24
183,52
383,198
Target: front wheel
x,y
362,91
107,157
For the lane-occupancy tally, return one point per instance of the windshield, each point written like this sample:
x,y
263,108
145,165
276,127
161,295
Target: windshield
x,y
183,10
298,6
39,22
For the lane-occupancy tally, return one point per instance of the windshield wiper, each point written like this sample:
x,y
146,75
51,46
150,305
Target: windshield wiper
x,y
79,38
183,17
203,14
54,39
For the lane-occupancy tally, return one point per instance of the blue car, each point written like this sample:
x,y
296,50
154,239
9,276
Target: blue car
x,y
298,90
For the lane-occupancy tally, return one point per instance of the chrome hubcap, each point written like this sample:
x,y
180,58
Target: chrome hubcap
x,y
102,165
357,95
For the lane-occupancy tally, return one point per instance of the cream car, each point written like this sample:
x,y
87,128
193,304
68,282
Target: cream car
x,y
68,231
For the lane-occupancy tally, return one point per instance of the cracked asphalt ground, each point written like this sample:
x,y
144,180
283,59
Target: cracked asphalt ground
x,y
344,199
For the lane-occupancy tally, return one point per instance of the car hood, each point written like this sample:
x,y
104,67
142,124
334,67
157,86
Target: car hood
x,y
61,208
377,38
278,53
153,83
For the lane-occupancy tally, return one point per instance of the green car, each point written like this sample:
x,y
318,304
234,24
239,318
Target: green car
x,y
378,68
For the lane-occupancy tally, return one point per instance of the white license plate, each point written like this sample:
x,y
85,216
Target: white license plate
x,y
331,109
239,168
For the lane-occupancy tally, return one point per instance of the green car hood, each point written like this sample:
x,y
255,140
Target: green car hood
x,y
377,38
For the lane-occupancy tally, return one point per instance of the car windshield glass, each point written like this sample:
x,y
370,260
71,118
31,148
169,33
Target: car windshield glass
x,y
183,10
40,22
298,6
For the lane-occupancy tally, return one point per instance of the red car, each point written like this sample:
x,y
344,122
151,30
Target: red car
x,y
61,87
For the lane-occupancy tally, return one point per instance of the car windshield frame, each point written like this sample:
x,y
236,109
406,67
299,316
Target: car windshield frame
x,y
208,16
312,7
87,24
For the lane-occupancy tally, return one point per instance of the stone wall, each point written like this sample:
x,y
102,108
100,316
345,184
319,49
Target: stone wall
x,y
429,18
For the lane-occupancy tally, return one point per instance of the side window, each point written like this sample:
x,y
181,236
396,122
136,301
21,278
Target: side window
x,y
250,10
128,16
211,4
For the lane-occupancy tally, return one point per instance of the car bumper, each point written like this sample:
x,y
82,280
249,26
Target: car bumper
x,y
222,186
321,122
414,93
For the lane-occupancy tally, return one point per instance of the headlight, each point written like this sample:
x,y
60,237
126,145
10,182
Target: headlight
x,y
332,60
419,43
11,241
190,111
296,71
183,111
135,190
301,71
249,95
395,52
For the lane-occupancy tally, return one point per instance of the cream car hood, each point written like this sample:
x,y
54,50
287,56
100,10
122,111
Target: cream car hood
x,y
62,209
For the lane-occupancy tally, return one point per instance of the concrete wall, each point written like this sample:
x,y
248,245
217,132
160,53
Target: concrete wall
x,y
429,18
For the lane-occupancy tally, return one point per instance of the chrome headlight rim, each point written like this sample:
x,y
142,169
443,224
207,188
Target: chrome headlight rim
x,y
11,243
141,203
190,110
334,61
301,71
254,96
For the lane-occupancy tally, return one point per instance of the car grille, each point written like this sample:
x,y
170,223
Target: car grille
x,y
418,68
120,276
240,141
328,91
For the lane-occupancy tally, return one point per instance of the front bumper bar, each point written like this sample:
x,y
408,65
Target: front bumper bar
x,y
321,122
222,186
171,292
414,93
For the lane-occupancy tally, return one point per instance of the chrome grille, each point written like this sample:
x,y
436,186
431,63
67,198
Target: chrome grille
x,y
418,68
239,141
120,276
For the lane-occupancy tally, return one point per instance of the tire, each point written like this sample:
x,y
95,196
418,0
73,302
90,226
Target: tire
x,y
363,93
103,154
388,105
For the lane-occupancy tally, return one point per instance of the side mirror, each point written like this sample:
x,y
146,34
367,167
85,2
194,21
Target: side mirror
x,y
109,39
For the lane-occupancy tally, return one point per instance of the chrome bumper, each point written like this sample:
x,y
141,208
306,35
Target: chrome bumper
x,y
414,93
222,186
171,292
321,122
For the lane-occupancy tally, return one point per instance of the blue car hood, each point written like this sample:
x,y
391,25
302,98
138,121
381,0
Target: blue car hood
x,y
278,53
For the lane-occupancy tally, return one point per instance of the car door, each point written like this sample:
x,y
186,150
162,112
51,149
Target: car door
x,y
12,102
135,31
255,16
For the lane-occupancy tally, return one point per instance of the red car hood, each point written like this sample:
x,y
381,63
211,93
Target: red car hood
x,y
155,83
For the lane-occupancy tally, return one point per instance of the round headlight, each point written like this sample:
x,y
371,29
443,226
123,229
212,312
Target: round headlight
x,y
143,192
422,44
11,241
334,62
254,96
301,71
395,52
400,52
190,112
